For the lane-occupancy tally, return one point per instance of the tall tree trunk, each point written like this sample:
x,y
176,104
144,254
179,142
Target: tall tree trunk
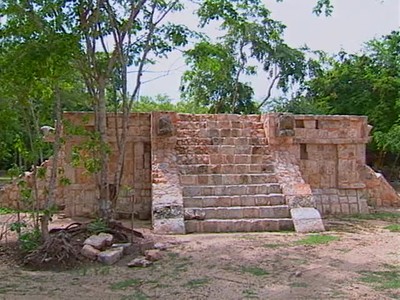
x,y
104,195
50,199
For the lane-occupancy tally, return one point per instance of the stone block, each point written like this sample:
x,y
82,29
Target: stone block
x,y
153,255
128,248
169,226
89,252
139,262
99,241
110,256
307,219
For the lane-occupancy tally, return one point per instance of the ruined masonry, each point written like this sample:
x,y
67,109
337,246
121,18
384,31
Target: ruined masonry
x,y
225,173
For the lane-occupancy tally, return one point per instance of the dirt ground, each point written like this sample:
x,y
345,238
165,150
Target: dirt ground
x,y
360,261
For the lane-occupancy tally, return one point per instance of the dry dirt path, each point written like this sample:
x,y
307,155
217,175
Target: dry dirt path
x,y
364,264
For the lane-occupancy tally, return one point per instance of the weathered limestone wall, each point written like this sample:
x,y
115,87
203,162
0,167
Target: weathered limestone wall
x,y
330,154
167,203
319,161
15,195
136,181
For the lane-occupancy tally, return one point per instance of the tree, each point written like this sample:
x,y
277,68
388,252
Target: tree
x,y
359,84
251,39
102,39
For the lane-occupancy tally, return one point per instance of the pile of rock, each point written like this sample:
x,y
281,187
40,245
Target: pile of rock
x,y
100,247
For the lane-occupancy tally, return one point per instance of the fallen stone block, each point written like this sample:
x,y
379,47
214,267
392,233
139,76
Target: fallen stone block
x,y
145,245
110,256
129,248
90,252
153,255
307,219
139,262
161,246
99,241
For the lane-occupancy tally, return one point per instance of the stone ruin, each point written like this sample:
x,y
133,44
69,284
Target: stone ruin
x,y
225,173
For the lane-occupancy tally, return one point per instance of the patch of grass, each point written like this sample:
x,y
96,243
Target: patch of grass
x,y
124,284
273,246
382,215
393,227
5,210
298,285
317,239
382,279
256,271
195,283
249,294
138,295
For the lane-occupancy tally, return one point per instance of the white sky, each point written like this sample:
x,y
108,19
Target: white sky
x,y
352,23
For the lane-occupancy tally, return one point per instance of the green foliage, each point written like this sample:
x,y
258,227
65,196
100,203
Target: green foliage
x,y
198,282
388,279
6,210
256,271
367,83
382,215
164,103
30,240
317,239
250,38
393,227
97,226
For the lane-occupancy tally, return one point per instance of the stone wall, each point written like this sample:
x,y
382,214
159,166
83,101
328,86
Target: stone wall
x,y
330,154
319,161
136,181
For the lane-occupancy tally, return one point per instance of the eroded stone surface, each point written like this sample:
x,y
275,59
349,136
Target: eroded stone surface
x,y
110,256
99,241
90,252
307,219
139,262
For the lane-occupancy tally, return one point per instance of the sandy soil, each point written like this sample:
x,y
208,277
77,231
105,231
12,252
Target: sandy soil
x,y
233,266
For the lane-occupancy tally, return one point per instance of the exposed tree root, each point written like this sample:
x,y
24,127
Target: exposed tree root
x,y
62,249
59,249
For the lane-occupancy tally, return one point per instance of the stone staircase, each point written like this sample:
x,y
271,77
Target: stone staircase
x,y
228,181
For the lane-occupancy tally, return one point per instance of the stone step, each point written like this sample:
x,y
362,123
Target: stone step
x,y
226,201
225,179
225,168
223,133
223,149
194,159
231,190
239,212
236,141
209,118
234,225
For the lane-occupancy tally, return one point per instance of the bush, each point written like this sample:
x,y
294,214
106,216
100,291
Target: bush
x,y
30,240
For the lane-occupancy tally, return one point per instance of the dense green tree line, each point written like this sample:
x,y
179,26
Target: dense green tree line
x,y
367,83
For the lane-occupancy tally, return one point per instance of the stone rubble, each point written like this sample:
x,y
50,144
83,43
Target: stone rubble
x,y
100,241
139,262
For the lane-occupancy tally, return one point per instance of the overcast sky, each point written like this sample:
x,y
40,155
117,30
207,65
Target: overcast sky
x,y
352,23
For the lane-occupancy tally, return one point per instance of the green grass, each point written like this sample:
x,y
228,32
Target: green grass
x,y
393,227
136,296
383,215
317,239
124,284
249,294
256,271
389,279
273,246
5,210
298,285
195,283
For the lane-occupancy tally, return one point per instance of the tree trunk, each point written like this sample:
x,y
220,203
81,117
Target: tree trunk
x,y
104,197
50,199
